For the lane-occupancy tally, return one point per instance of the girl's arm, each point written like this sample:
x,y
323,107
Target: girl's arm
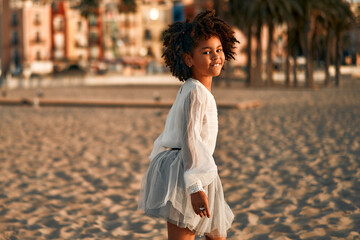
x,y
200,167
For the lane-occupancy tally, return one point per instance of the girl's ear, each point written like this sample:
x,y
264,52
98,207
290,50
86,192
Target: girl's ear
x,y
188,59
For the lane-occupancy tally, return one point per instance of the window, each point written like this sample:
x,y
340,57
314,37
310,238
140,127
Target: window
x,y
37,19
92,20
16,58
79,25
93,37
14,20
55,7
14,38
37,39
58,24
95,53
147,34
38,56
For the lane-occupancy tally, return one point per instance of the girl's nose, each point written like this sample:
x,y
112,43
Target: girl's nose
x,y
215,56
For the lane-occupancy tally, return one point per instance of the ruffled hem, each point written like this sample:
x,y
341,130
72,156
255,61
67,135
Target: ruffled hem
x,y
163,195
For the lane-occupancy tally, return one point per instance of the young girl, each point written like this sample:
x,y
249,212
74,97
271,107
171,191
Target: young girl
x,y
182,184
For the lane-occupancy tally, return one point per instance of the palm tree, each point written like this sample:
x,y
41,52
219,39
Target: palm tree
x,y
309,25
293,12
275,12
257,14
325,25
311,9
248,11
260,13
343,21
241,18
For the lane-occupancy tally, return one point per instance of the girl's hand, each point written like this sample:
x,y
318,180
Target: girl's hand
x,y
199,201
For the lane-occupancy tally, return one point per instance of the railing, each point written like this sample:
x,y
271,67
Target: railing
x,y
37,40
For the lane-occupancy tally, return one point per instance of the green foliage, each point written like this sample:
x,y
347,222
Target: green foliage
x,y
127,6
88,7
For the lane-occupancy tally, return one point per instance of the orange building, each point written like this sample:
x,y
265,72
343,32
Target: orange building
x,y
76,36
156,16
16,41
58,33
4,39
95,25
37,37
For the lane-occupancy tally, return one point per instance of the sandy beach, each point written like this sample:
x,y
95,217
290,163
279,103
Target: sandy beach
x,y
290,168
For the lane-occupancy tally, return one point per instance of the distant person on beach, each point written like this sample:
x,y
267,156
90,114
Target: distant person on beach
x,y
182,184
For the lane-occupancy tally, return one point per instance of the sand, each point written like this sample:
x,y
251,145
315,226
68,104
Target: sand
x,y
290,168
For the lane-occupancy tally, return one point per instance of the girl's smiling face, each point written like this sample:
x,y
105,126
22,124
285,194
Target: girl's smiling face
x,y
207,59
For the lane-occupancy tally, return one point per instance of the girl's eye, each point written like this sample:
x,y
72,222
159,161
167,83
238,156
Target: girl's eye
x,y
207,52
219,50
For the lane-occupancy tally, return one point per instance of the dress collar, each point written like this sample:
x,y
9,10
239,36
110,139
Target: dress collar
x,y
195,81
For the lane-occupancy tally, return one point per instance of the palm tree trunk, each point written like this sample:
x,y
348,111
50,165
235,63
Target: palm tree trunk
x,y
337,59
287,60
287,70
269,63
308,54
250,76
258,77
356,43
295,67
327,59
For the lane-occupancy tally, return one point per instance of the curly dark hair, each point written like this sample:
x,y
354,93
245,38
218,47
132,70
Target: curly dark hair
x,y
183,37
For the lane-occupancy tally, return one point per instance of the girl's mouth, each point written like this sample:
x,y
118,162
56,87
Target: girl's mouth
x,y
215,65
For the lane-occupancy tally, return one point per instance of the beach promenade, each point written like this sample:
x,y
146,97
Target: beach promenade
x,y
290,168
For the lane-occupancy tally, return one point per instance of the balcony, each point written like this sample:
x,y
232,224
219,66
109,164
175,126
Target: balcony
x,y
79,44
37,40
37,22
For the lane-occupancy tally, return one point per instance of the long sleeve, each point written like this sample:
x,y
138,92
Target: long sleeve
x,y
199,164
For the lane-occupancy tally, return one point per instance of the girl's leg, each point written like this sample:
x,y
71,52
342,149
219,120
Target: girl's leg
x,y
219,238
177,233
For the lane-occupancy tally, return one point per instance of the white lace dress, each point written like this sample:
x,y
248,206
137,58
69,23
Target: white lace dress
x,y
182,159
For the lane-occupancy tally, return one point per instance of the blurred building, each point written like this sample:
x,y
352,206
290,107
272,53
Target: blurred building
x,y
76,36
4,40
95,25
156,16
58,31
130,34
111,36
37,37
45,34
16,41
